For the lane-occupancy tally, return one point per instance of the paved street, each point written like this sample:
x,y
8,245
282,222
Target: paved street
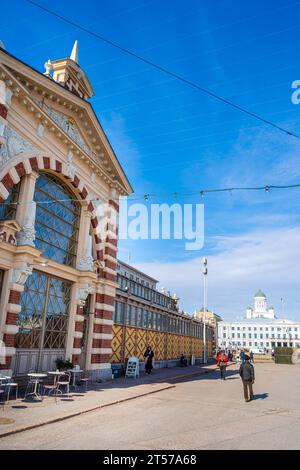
x,y
200,413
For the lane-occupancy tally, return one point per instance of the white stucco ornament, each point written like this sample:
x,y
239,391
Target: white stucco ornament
x,y
8,96
13,144
2,92
70,165
40,130
86,263
26,236
82,294
48,68
20,275
68,125
2,129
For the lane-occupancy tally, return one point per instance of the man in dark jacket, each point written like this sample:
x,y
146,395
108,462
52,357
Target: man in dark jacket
x,y
247,376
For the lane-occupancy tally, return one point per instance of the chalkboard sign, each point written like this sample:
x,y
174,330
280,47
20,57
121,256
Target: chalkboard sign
x,y
133,367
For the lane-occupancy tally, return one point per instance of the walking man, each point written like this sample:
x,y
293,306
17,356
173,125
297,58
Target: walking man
x,y
222,363
251,357
247,376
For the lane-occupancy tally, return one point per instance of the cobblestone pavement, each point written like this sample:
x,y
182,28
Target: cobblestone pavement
x,y
201,412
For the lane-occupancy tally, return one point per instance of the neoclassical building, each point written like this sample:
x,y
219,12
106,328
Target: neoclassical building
x,y
60,183
260,330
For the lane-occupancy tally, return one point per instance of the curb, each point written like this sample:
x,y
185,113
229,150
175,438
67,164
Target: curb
x,y
105,405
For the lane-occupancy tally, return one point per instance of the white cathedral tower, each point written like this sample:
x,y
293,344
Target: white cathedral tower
x,y
260,308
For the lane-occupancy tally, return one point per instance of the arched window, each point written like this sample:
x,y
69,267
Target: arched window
x,y
8,209
57,220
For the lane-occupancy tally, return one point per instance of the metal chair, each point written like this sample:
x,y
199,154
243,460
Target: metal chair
x,y
2,395
85,381
50,387
63,381
9,385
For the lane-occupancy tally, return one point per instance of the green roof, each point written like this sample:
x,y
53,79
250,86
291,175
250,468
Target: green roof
x,y
260,293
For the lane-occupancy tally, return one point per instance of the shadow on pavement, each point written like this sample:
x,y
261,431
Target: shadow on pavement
x,y
260,396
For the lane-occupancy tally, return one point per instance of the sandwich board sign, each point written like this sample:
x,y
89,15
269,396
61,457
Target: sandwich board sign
x,y
133,367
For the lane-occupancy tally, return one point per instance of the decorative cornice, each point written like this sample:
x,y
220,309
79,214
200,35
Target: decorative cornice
x,y
30,79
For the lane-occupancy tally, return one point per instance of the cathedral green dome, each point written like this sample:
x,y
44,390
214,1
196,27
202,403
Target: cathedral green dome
x,y
260,293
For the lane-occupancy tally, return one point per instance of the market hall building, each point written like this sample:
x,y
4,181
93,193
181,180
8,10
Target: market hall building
x,y
145,316
59,181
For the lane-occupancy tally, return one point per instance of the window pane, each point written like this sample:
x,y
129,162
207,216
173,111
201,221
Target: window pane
x,y
8,209
57,314
146,318
133,315
45,304
120,316
140,318
57,220
128,314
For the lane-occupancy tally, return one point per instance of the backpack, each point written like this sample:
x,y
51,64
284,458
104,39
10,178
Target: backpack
x,y
247,372
222,360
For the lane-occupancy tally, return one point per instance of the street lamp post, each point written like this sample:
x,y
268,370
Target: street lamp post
x,y
204,272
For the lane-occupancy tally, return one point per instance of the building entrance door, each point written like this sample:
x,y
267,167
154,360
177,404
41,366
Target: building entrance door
x,y
42,322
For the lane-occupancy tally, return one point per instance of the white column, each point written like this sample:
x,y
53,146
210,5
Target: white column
x,y
27,211
85,242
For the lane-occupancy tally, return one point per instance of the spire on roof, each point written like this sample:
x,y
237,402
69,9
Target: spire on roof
x,y
2,45
74,53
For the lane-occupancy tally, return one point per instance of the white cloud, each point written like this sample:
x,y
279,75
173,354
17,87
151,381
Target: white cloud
x,y
269,260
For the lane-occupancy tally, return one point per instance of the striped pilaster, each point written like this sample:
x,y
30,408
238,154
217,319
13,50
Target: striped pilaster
x,y
77,335
102,329
10,328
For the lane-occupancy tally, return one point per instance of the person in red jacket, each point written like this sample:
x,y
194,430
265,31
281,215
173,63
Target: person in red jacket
x,y
222,360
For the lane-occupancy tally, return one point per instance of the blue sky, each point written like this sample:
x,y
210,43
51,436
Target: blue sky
x,y
170,137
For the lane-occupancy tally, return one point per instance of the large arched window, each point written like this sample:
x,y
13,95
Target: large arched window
x,y
57,220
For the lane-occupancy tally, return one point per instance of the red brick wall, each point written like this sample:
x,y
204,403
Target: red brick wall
x,y
103,329
7,181
11,318
101,343
9,340
78,326
106,314
14,297
105,299
100,358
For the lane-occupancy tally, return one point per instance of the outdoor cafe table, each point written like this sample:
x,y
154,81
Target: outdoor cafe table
x,y
56,374
4,377
74,372
36,377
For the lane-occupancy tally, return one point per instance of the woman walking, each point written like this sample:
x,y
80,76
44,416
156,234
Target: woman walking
x,y
149,355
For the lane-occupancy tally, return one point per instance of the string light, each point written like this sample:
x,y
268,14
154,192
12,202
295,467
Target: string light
x,y
146,197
